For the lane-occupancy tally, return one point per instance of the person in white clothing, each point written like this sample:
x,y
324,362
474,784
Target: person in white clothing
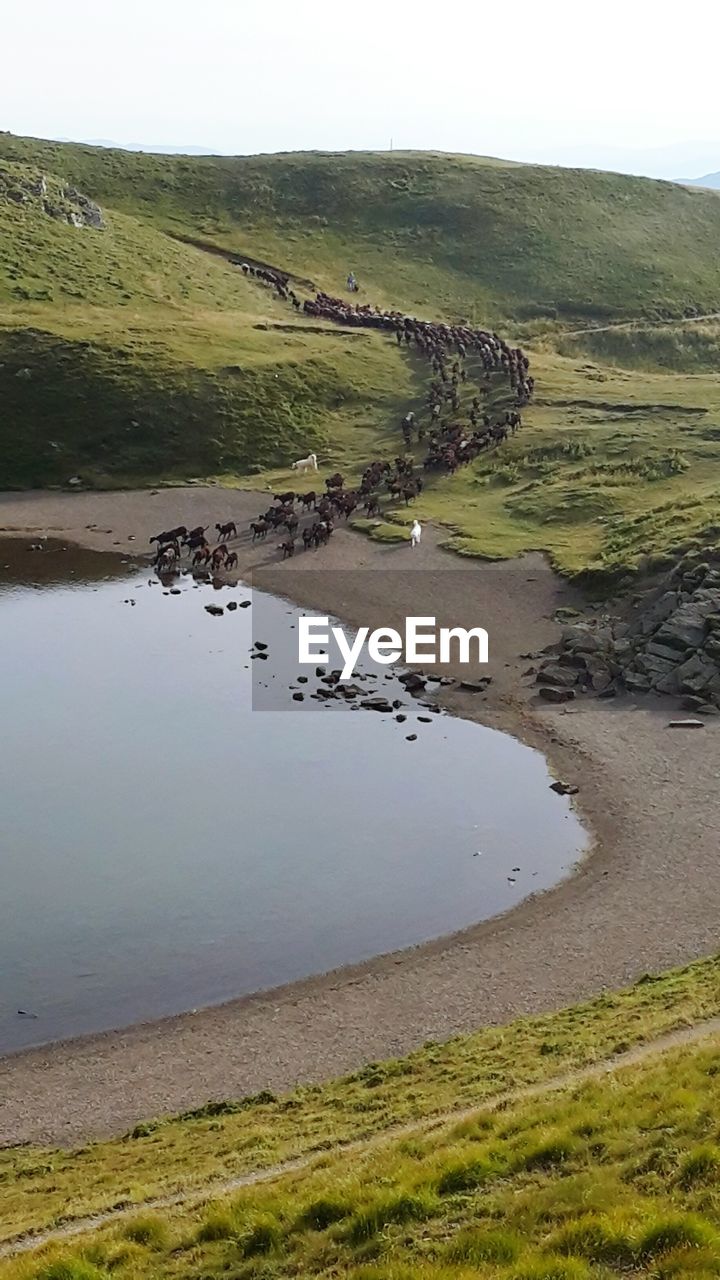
x,y
415,534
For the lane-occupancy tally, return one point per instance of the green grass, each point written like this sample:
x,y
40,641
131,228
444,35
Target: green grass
x,y
589,1181
451,231
223,1140
128,356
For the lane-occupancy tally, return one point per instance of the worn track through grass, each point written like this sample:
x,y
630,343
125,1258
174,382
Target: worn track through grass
x,y
215,1190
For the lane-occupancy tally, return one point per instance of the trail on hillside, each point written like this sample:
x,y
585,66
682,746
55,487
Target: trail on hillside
x,y
624,325
196,1195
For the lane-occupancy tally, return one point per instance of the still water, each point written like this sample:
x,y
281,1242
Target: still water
x,y
165,846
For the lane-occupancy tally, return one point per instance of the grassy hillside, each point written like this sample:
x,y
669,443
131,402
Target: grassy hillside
x,y
130,355
604,1172
126,355
438,231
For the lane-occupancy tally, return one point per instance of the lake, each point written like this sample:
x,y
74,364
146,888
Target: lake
x,y
165,846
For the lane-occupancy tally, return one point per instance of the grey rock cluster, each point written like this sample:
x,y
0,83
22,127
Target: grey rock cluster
x,y
669,645
25,187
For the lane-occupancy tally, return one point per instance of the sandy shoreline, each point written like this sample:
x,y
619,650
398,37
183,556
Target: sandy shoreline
x,y
647,898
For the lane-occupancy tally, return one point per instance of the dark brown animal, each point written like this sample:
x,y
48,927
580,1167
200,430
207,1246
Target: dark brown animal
x,y
228,530
171,535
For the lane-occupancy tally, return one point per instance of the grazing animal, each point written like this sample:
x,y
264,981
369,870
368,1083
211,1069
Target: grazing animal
x,y
228,530
260,529
307,500
170,550
197,532
165,560
288,548
231,561
306,464
335,482
285,499
291,522
171,535
415,534
308,536
202,556
321,532
193,544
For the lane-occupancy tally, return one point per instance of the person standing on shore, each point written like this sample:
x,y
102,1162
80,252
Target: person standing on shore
x,y
415,534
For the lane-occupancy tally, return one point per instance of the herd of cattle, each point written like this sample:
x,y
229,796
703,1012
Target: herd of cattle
x,y
457,424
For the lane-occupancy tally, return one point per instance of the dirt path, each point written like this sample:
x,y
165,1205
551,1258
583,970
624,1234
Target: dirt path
x,y
648,898
640,324
196,1195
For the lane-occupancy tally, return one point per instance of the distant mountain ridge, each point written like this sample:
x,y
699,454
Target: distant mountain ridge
x,y
709,180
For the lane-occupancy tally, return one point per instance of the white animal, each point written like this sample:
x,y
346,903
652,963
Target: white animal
x,y
415,534
306,464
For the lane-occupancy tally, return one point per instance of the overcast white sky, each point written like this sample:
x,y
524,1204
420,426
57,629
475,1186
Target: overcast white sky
x,y
628,85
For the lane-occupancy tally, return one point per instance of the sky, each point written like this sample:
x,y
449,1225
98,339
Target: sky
x,y
629,86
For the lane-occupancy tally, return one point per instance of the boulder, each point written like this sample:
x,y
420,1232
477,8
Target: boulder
x,y
581,638
696,674
636,683
553,673
552,694
691,702
684,629
215,610
658,612
413,681
376,704
652,666
663,651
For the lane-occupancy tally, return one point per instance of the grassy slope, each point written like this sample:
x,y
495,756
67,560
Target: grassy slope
x,y
613,1172
145,360
40,1187
125,355
506,238
612,466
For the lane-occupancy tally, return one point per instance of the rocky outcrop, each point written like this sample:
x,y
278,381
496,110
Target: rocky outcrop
x,y
23,186
669,643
